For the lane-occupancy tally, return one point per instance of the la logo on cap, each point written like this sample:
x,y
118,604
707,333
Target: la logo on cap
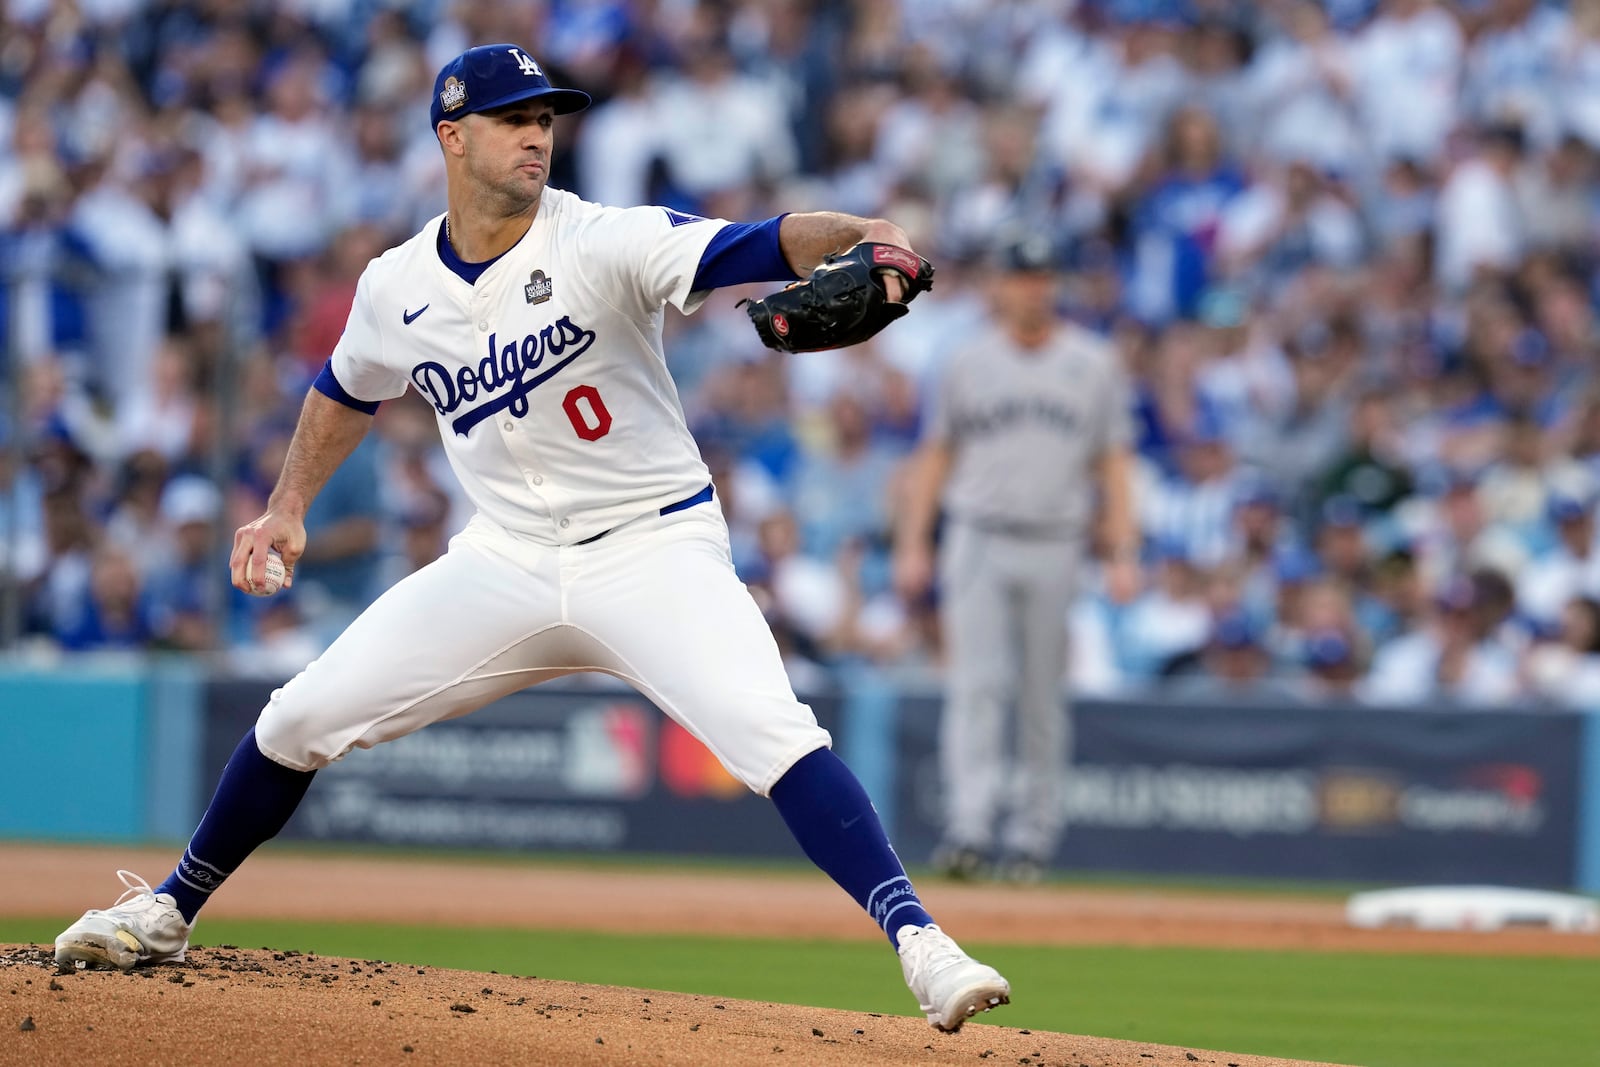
x,y
525,62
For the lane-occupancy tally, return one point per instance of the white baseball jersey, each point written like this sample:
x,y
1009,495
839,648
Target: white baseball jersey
x,y
561,421
553,396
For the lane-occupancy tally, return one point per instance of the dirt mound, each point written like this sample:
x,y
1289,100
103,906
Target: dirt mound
x,y
231,1005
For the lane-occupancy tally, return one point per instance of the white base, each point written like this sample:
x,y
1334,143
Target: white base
x,y
1470,907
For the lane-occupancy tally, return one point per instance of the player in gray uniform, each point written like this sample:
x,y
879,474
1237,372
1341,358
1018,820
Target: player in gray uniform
x,y
1029,434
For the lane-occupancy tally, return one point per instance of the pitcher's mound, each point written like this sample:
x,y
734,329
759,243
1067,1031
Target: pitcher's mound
x,y
258,1007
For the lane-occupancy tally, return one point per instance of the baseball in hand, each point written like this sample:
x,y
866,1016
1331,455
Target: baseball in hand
x,y
274,576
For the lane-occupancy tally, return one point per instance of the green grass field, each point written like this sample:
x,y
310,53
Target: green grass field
x,y
1375,1010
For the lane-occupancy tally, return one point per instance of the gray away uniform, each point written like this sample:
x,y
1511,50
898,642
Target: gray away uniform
x,y
1026,430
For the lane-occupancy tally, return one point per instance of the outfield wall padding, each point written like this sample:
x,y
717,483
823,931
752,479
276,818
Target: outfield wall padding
x,y
129,750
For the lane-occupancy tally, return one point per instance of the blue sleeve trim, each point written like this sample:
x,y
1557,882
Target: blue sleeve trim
x,y
743,252
329,386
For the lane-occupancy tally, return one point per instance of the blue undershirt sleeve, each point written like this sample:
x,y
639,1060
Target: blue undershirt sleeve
x,y
329,386
743,252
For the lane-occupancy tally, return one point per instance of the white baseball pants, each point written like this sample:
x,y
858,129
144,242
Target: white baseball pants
x,y
654,602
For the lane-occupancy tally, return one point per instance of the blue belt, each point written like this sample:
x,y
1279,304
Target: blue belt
x,y
683,505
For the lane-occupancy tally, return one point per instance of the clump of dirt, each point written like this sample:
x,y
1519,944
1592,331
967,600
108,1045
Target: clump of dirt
x,y
227,1004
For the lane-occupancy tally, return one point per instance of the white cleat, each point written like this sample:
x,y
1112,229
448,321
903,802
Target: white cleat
x,y
950,986
143,926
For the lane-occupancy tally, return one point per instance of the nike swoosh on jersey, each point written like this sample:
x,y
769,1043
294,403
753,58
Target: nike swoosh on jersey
x,y
411,316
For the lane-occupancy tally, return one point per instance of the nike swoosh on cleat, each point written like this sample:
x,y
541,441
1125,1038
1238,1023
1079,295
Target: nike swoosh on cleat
x,y
411,316
845,824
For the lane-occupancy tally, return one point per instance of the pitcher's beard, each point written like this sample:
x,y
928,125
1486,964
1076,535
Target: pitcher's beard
x,y
508,197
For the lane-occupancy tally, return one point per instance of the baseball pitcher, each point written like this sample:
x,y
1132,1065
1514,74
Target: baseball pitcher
x,y
531,321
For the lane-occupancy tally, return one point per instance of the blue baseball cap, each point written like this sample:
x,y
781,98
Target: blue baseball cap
x,y
1327,648
1563,508
1295,564
494,75
1234,631
1343,511
1258,492
1168,548
1530,349
1457,593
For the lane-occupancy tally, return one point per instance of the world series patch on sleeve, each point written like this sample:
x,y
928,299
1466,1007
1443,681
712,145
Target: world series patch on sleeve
x,y
843,302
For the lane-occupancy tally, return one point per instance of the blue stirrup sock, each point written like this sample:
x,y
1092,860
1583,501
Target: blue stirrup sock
x,y
820,800
833,819
253,801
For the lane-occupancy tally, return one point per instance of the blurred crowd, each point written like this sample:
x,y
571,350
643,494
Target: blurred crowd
x,y
1347,250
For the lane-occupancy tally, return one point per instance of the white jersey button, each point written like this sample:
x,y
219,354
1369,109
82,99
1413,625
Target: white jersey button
x,y
538,479
483,327
509,425
565,523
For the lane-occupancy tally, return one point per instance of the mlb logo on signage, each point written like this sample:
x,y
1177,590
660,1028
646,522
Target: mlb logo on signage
x,y
539,288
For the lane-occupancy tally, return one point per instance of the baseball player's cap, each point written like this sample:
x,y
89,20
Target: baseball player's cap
x,y
190,498
1327,648
1437,480
1531,350
1343,511
494,75
1234,630
1563,508
1223,306
1295,564
1456,594
1026,252
1168,548
1258,492
1206,429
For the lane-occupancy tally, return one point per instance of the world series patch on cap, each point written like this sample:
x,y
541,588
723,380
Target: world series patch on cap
x,y
494,75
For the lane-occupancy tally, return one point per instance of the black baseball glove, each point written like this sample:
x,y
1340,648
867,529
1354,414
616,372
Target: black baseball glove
x,y
842,303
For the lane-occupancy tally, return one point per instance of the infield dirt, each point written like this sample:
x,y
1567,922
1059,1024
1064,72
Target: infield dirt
x,y
227,1005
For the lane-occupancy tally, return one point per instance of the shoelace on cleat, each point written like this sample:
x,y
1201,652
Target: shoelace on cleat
x,y
137,888
936,953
